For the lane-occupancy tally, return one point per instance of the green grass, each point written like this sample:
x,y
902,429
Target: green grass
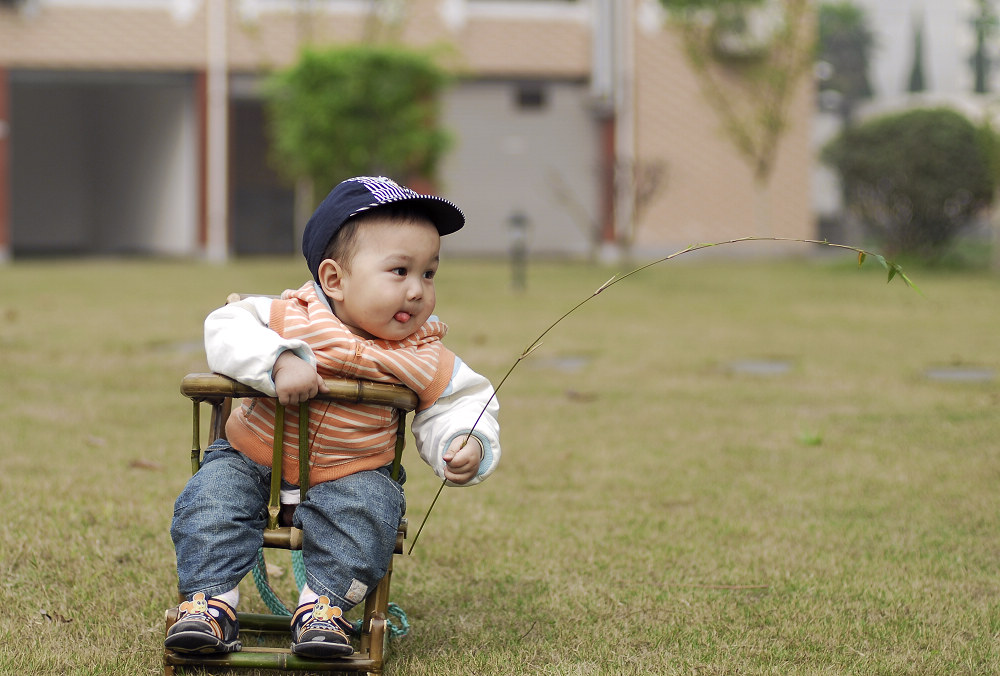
x,y
656,512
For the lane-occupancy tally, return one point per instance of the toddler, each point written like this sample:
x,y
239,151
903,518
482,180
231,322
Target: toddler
x,y
373,248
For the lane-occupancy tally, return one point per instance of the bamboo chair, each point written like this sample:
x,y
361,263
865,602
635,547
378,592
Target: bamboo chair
x,y
219,391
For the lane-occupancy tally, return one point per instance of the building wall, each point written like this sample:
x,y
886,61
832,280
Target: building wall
x,y
708,192
948,46
142,189
489,38
514,157
948,42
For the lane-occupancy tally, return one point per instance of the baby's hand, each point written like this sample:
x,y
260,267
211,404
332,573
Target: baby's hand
x,y
462,459
296,380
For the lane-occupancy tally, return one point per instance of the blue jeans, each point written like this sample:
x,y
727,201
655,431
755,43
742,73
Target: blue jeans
x,y
349,527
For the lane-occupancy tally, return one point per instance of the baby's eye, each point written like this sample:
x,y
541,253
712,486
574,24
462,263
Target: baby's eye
x,y
399,271
430,274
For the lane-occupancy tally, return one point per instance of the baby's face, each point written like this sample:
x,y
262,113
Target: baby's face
x,y
388,290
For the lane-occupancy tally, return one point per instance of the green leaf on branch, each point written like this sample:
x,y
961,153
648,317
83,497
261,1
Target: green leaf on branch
x,y
895,270
892,269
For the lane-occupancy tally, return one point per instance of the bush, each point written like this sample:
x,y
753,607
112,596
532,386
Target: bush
x,y
917,178
358,110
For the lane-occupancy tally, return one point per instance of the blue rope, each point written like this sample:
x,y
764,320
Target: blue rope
x,y
264,587
404,624
298,567
394,631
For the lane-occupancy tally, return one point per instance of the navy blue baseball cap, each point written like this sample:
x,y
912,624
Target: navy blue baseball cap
x,y
363,193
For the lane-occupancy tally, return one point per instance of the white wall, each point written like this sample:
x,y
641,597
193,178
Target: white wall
x,y
508,159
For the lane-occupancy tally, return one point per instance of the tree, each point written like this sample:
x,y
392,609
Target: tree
x,y
749,56
916,82
844,49
358,110
985,24
916,178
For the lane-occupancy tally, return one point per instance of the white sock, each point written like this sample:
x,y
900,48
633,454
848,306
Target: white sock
x,y
307,595
232,597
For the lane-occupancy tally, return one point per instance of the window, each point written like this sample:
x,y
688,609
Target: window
x,y
531,96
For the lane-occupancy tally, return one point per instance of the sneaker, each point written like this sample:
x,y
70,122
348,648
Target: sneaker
x,y
204,626
318,631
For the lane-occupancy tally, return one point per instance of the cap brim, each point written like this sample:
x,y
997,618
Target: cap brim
x,y
445,215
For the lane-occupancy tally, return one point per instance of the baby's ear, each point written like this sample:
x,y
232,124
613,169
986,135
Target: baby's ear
x,y
330,276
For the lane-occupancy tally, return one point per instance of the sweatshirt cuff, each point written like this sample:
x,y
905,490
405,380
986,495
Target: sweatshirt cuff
x,y
486,462
301,351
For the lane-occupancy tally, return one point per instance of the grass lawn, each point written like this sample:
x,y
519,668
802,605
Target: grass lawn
x,y
715,467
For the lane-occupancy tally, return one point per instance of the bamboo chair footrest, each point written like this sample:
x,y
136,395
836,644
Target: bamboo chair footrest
x,y
274,658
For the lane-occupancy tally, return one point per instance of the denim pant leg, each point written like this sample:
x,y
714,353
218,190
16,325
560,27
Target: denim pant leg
x,y
349,530
219,520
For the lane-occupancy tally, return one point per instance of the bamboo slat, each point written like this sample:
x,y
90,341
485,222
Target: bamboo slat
x,y
211,386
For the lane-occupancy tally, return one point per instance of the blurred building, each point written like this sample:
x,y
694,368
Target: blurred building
x,y
136,126
939,39
946,44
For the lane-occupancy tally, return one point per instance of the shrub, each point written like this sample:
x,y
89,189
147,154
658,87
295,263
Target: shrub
x,y
917,178
358,110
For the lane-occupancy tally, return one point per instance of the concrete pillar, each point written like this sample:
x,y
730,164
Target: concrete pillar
x,y
217,132
5,208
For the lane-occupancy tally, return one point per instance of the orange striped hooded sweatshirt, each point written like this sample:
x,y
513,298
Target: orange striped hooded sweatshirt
x,y
344,438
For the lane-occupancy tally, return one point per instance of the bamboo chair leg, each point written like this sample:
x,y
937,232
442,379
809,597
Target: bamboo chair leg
x,y
376,647
171,617
374,628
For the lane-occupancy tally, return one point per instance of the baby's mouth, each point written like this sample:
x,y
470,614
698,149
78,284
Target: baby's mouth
x,y
402,317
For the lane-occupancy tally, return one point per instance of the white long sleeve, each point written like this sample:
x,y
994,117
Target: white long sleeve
x,y
469,397
239,344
